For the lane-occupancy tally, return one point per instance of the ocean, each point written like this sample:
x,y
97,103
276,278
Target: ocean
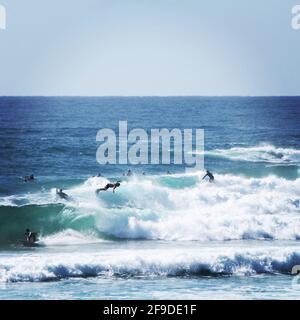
x,y
159,236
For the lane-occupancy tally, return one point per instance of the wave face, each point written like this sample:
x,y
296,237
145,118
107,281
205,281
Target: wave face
x,y
136,263
178,207
261,153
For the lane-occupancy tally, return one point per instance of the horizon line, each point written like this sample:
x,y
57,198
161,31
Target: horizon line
x,y
149,96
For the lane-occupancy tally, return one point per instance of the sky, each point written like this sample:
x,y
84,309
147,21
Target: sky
x,y
149,48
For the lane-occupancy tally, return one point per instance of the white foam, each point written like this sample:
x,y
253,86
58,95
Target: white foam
x,y
69,237
148,262
231,208
260,153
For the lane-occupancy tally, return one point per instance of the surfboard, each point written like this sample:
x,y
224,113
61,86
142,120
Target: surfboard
x,y
29,244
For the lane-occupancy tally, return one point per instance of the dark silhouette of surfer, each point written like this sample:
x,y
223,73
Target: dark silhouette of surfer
x,y
98,175
31,237
110,186
129,173
29,178
209,175
61,194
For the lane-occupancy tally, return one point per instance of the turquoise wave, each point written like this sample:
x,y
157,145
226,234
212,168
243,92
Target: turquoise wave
x,y
179,207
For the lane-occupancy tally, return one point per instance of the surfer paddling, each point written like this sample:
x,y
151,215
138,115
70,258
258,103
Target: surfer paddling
x,y
29,178
110,186
209,175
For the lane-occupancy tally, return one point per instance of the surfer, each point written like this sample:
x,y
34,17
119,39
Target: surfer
x,y
61,194
98,175
129,173
209,175
31,237
110,185
29,178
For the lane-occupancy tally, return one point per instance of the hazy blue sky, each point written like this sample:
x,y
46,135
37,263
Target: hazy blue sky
x,y
149,47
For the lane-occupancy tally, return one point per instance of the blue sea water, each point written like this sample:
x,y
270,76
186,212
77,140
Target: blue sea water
x,y
158,236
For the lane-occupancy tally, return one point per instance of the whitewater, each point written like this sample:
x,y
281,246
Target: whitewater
x,y
179,207
165,261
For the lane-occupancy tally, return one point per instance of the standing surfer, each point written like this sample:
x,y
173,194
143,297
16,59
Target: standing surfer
x,y
31,237
209,175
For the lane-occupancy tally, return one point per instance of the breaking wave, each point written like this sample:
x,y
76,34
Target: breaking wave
x,y
138,263
179,207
